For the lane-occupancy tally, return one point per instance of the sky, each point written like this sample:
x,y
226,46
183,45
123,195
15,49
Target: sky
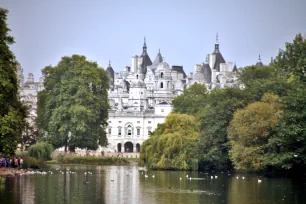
x,y
184,30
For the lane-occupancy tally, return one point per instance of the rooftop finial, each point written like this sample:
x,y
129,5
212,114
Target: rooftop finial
x,y
144,44
217,39
109,63
259,58
158,51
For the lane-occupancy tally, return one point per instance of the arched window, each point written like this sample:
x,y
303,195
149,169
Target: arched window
x,y
161,75
161,85
129,129
119,131
137,76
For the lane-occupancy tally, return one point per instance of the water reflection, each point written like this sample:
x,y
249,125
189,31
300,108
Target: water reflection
x,y
128,184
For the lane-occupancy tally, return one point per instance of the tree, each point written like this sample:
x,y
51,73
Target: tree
x,y
73,107
288,145
291,62
191,101
250,130
249,74
173,145
215,118
12,112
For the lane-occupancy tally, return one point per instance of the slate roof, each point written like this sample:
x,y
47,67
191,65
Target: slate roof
x,y
179,69
146,61
219,58
158,59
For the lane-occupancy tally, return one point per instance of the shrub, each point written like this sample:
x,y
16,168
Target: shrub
x,y
41,151
30,162
67,159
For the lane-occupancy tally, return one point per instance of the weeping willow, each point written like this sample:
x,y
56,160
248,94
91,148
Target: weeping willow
x,y
173,145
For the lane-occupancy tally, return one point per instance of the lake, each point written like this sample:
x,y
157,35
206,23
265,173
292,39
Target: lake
x,y
131,184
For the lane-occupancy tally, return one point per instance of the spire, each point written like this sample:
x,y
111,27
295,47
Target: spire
x,y
109,63
217,44
158,59
217,40
259,62
144,44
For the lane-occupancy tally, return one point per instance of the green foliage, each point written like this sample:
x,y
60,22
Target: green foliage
x,y
191,101
41,151
12,112
292,61
221,105
173,145
250,130
73,108
31,162
249,74
68,159
288,145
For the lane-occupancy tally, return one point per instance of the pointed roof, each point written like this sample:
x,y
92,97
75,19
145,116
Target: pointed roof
x,y
146,61
179,69
110,70
219,57
158,59
235,68
259,62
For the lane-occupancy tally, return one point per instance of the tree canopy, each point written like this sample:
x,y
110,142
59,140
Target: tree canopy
x,y
173,145
12,112
191,101
73,107
250,130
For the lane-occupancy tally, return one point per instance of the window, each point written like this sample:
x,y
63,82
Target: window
x,y
119,131
162,110
149,130
129,130
137,76
138,121
149,121
138,131
119,121
109,130
161,75
161,85
109,121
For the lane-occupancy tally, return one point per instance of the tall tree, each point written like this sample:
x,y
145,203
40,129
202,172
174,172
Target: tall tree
x,y
191,101
250,130
291,62
12,112
73,107
221,105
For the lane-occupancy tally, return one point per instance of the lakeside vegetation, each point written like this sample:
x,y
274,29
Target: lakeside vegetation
x,y
91,160
260,127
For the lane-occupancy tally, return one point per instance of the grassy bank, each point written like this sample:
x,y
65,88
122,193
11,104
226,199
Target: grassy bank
x,y
69,159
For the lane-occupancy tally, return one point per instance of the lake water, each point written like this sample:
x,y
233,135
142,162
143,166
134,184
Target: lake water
x,y
128,184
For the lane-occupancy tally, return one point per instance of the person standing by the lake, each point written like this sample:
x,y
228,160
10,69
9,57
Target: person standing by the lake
x,y
3,162
20,163
15,162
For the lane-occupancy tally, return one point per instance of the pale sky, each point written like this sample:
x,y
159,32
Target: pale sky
x,y
102,30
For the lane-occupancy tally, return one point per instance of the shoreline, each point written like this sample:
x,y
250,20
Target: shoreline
x,y
11,172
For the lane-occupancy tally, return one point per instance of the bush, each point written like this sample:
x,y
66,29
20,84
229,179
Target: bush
x,y
30,162
41,151
67,159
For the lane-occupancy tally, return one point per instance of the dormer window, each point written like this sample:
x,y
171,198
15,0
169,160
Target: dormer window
x,y
161,75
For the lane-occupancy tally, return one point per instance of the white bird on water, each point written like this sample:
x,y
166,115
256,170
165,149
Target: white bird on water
x,y
146,176
211,177
237,177
216,177
259,180
243,177
153,176
187,176
180,178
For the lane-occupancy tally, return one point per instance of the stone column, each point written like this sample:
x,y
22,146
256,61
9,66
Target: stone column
x,y
134,148
122,148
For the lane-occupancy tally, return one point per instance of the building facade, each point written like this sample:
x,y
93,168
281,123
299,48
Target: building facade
x,y
141,95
